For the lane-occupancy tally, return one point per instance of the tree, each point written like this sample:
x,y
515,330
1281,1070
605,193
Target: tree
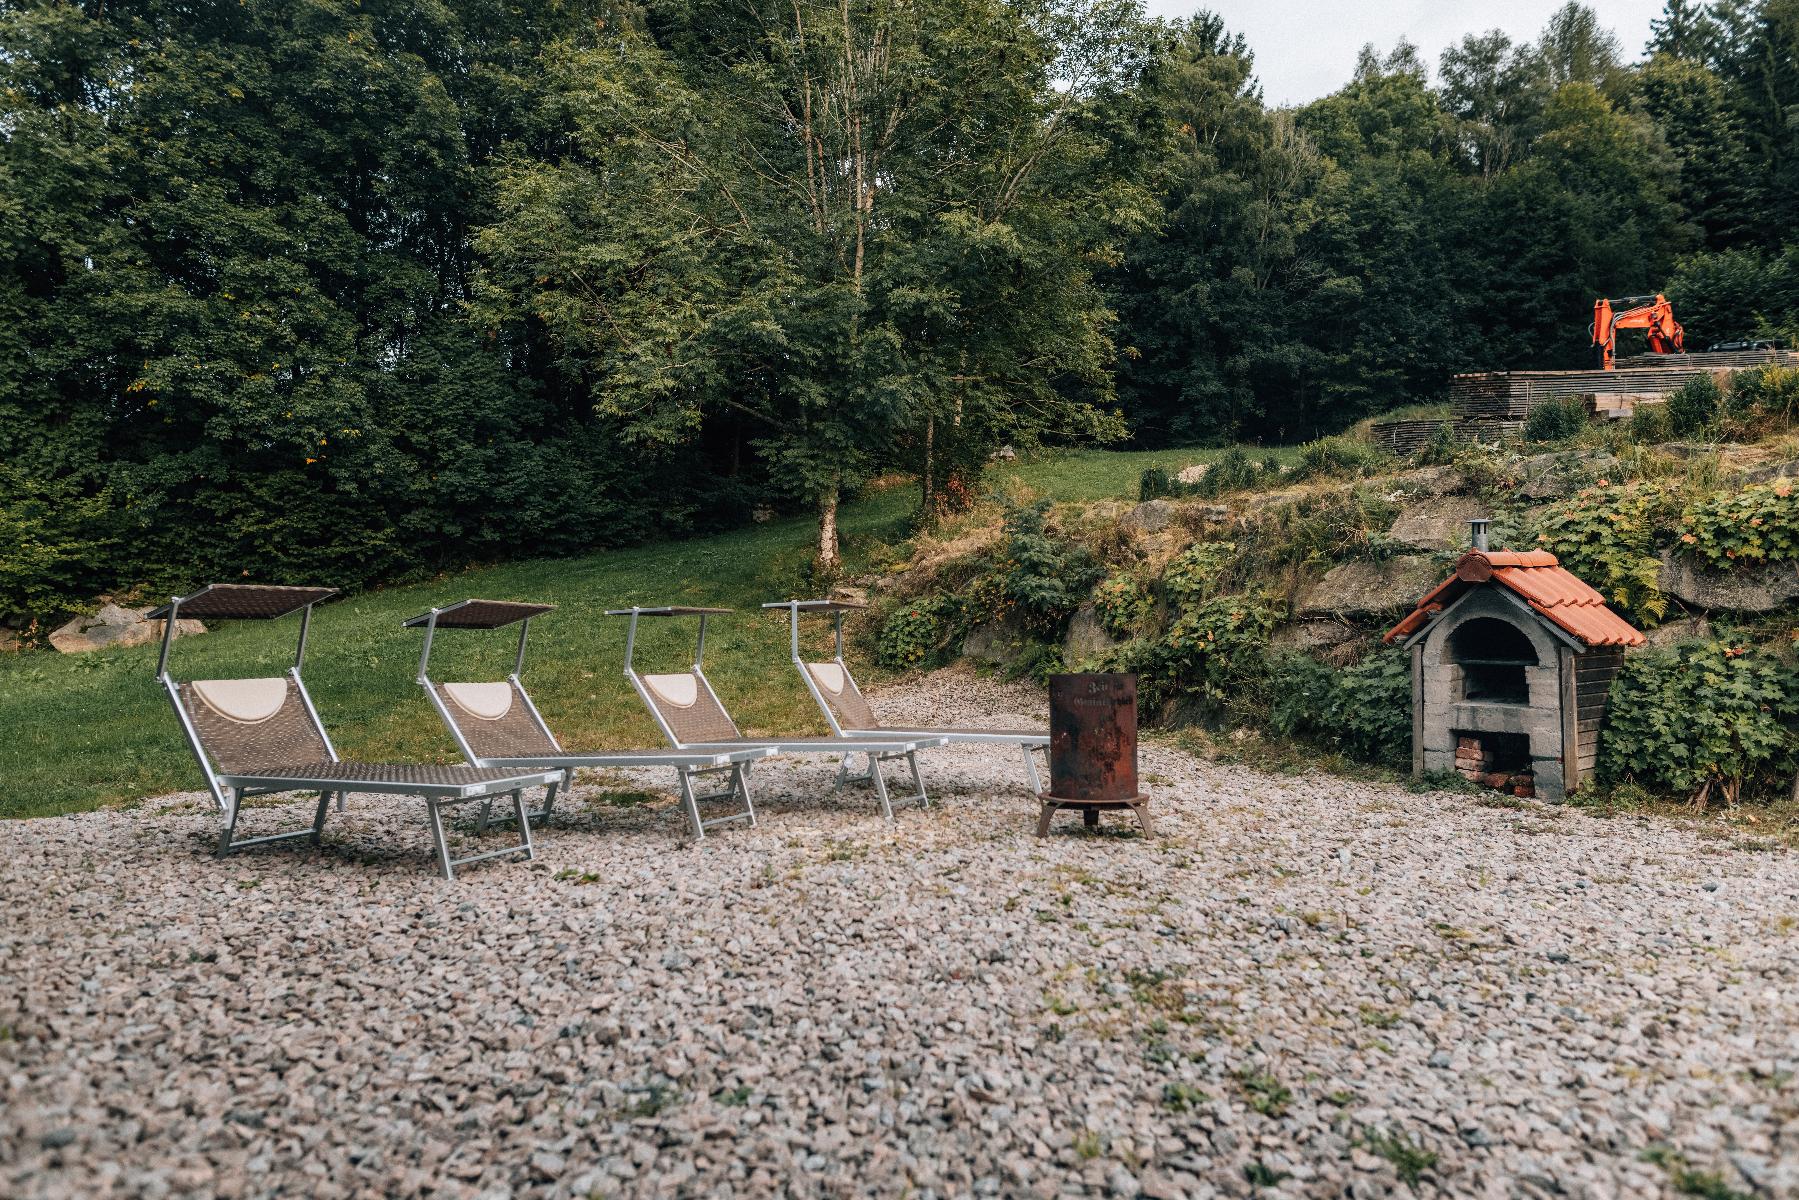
x,y
1496,91
1686,30
841,223
1576,48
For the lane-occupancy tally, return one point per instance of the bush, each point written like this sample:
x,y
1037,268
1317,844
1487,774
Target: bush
x,y
1155,483
1336,456
1606,535
1122,605
1198,572
1045,575
53,536
1758,524
1693,406
1555,421
1773,390
1442,448
1700,720
1211,651
1649,424
912,635
1365,710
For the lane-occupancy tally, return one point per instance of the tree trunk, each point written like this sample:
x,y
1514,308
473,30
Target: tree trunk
x,y
829,562
929,488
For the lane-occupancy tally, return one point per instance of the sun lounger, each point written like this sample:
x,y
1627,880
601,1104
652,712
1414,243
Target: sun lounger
x,y
690,716
254,737
834,689
496,723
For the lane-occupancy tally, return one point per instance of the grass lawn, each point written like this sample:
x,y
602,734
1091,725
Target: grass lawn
x,y
90,729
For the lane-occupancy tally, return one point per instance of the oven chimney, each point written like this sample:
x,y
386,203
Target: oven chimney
x,y
1477,533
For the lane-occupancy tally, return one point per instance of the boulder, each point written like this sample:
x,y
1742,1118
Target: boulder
x,y
1678,631
1194,474
994,644
1438,523
1426,481
114,625
1310,636
844,593
1151,516
1367,589
1562,473
1769,472
1744,589
9,641
1087,639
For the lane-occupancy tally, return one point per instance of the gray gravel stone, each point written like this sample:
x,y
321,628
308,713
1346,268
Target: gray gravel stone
x,y
1299,975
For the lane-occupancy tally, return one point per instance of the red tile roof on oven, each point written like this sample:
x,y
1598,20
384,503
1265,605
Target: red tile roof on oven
x,y
1541,582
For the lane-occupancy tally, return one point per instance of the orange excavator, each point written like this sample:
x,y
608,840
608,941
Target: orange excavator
x,y
1652,314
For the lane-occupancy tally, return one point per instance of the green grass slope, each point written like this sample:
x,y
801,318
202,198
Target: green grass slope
x,y
85,730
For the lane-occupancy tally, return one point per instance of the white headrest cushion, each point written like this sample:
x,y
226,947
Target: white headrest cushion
x,y
679,690
487,701
828,675
246,701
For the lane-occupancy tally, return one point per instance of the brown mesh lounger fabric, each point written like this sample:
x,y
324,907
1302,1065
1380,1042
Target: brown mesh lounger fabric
x,y
835,691
690,715
497,724
253,737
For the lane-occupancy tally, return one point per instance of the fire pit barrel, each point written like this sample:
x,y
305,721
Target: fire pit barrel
x,y
1092,747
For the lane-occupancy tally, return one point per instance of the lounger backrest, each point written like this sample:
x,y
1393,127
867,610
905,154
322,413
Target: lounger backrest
x,y
838,687
494,719
689,709
248,724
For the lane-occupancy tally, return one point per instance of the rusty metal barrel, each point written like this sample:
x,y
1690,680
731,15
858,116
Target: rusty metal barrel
x,y
1092,748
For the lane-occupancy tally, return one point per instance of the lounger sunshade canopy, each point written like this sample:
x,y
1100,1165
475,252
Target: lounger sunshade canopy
x,y
817,605
244,602
674,610
480,614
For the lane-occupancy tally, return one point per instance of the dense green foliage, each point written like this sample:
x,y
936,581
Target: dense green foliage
x,y
1704,719
1364,711
1555,421
361,292
1320,265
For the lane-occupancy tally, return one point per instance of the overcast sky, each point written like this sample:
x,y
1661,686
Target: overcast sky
x,y
1307,48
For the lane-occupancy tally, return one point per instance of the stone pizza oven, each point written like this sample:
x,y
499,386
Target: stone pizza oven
x,y
1512,662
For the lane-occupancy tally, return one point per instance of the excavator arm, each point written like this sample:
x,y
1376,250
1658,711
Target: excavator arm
x,y
1650,313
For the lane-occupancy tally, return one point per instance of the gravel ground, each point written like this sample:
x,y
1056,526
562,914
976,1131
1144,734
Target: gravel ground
x,y
1303,986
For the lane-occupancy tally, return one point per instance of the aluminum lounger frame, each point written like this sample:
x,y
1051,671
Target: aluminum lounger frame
x,y
880,749
1027,742
549,754
439,787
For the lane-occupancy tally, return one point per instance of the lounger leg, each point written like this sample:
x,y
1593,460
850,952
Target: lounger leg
x,y
918,792
1030,769
692,805
874,769
318,818
233,804
740,778
549,804
843,774
486,816
524,819
437,835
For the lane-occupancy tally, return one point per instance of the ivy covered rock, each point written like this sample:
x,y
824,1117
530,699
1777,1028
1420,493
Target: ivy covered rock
x,y
1743,589
1365,589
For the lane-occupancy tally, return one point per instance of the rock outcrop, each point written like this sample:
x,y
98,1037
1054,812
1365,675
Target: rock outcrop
x,y
1744,589
1367,589
115,625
